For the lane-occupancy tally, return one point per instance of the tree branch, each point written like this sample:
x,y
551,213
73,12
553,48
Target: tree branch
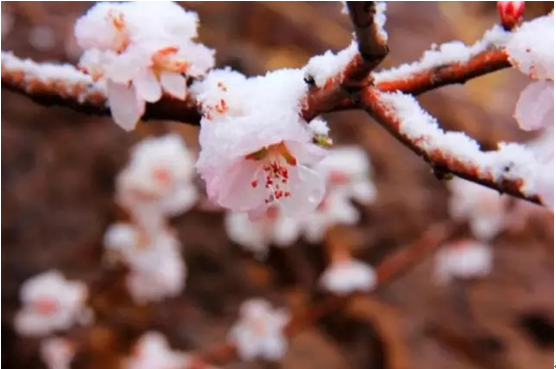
x,y
447,153
484,63
371,38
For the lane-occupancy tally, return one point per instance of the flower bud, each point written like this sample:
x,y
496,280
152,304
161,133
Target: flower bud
x,y
510,13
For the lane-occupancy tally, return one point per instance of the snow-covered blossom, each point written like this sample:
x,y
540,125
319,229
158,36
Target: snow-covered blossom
x,y
348,176
510,12
256,150
157,182
463,259
157,269
257,235
484,208
153,352
259,331
50,303
141,49
347,275
57,353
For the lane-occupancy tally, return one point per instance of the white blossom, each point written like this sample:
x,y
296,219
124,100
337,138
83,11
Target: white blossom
x,y
256,150
463,259
345,276
153,352
258,234
348,176
259,331
157,182
484,208
57,353
141,49
50,303
157,269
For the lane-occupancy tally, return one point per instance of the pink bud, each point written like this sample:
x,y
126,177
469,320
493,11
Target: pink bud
x,y
510,13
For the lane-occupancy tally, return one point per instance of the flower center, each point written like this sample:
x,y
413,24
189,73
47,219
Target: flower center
x,y
276,161
46,306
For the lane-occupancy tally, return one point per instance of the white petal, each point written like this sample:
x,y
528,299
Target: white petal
x,y
286,231
535,107
237,192
364,192
123,105
174,84
307,190
245,233
147,86
306,153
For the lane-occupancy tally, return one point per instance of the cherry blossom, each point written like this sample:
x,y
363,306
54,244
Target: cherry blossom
x,y
346,275
463,259
139,63
157,269
257,235
57,353
152,351
50,303
348,177
256,150
259,331
157,182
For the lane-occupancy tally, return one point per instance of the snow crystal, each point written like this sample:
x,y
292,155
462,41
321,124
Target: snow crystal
x,y
380,20
451,52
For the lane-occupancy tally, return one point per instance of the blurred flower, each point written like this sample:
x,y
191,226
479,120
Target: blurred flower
x,y
258,234
157,182
57,353
50,303
348,177
157,269
347,275
463,259
152,352
42,38
140,49
259,331
484,208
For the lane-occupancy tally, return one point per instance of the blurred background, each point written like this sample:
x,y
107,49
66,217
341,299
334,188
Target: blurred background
x,y
58,171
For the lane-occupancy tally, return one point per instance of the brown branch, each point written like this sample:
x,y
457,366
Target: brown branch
x,y
81,94
484,63
442,162
372,46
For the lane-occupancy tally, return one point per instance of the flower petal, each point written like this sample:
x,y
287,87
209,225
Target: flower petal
x,y
124,105
535,106
307,189
174,84
237,191
147,86
306,153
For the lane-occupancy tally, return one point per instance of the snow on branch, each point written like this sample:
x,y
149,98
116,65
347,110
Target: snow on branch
x,y
512,169
451,53
64,85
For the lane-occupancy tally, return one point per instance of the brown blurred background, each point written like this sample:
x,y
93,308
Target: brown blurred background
x,y
58,170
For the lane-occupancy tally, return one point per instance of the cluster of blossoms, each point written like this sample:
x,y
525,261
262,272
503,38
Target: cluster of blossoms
x,y
155,185
140,63
463,259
